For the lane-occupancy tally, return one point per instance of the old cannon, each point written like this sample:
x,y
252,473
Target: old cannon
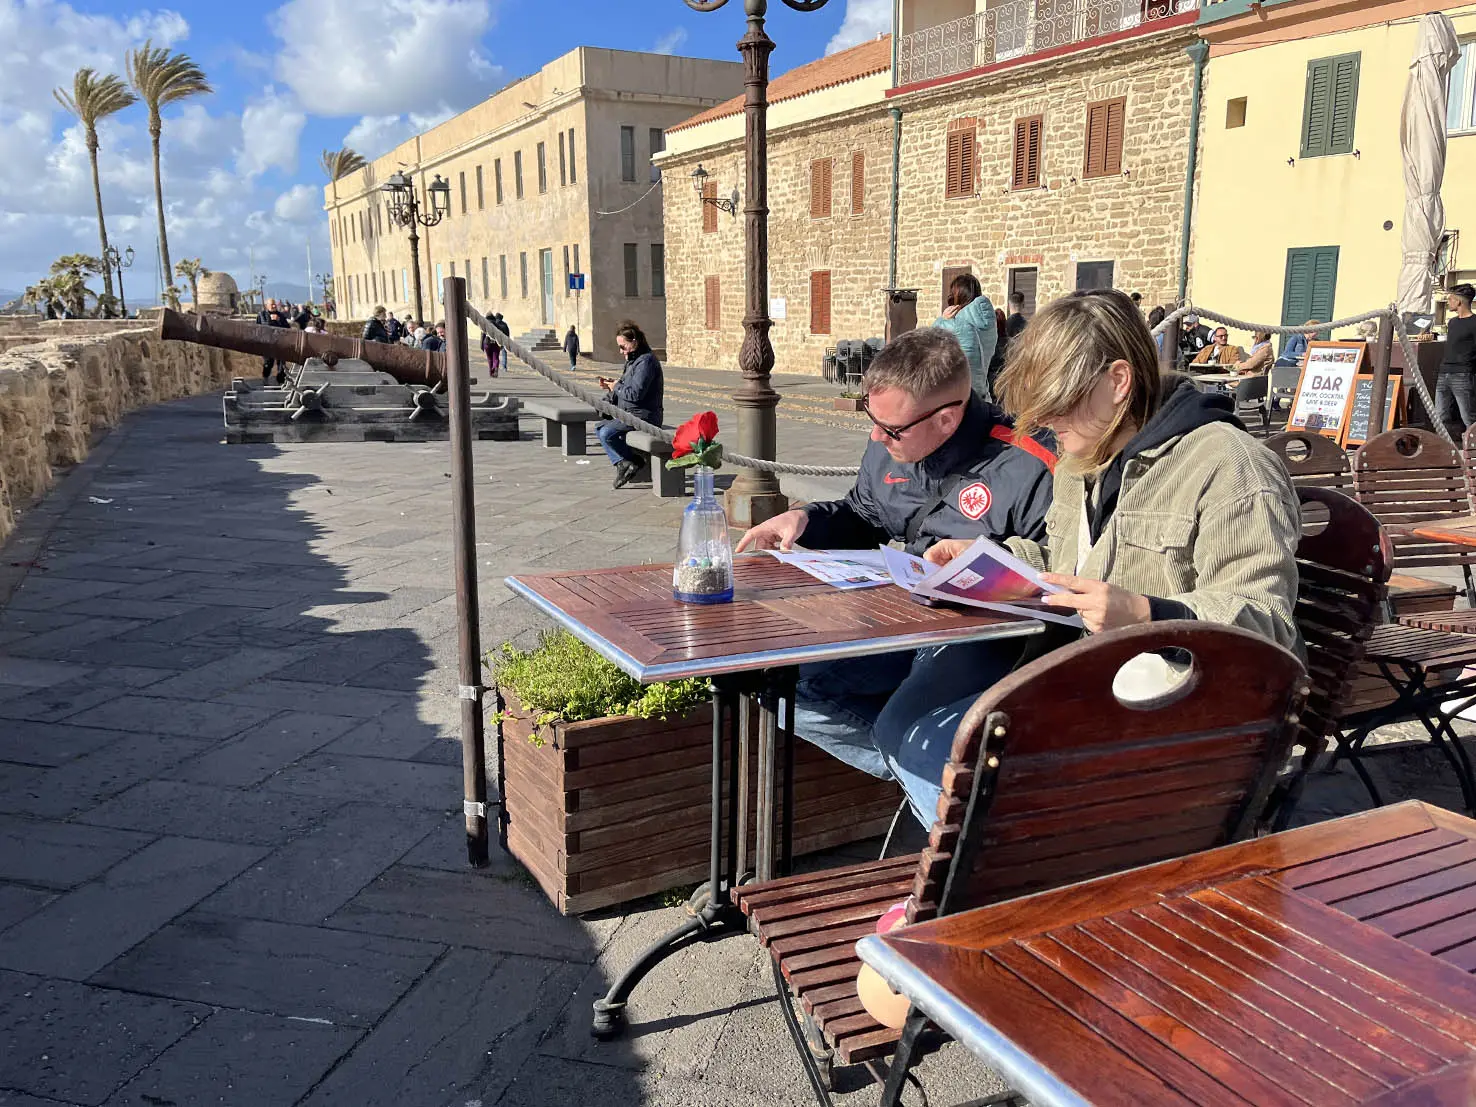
x,y
347,390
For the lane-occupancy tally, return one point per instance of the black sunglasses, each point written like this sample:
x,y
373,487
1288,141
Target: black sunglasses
x,y
896,433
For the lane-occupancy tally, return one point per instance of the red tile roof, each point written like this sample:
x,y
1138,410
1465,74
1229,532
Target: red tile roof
x,y
849,65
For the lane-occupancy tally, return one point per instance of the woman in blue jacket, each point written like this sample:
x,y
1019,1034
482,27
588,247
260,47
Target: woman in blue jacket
x,y
969,317
638,391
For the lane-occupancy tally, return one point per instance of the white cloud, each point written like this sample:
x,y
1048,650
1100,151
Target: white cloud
x,y
670,42
865,19
271,132
384,57
299,204
376,135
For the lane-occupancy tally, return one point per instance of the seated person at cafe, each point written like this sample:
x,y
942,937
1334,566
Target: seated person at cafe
x,y
942,464
1219,352
1295,348
1254,368
1164,508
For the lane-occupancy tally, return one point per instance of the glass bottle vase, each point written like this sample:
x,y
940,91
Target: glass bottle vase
x,y
704,566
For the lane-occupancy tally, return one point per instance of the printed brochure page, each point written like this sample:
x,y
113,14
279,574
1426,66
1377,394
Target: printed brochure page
x,y
984,575
842,568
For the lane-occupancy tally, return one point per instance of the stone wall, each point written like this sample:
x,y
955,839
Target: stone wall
x,y
57,393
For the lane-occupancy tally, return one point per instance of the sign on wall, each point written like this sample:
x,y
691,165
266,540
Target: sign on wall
x,y
1325,389
576,282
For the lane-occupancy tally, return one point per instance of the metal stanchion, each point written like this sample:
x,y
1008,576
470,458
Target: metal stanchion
x,y
464,537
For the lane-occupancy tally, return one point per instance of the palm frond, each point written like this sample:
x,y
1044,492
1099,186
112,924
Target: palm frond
x,y
340,163
162,78
93,97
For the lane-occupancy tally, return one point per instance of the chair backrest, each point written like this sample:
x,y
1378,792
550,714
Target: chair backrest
x,y
1312,460
1413,476
1074,783
1468,453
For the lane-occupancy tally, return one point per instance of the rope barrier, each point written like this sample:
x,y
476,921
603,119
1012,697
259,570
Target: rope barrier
x,y
1413,375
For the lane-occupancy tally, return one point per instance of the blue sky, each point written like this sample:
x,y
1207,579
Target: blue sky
x,y
242,184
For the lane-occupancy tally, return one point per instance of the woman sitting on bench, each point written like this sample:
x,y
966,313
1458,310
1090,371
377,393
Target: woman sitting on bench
x,y
1163,508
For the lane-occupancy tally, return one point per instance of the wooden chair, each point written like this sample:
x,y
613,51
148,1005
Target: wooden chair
x,y
1312,460
1413,476
1051,780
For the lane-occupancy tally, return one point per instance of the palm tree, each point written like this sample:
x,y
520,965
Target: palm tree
x,y
69,281
93,98
340,163
191,270
42,294
161,78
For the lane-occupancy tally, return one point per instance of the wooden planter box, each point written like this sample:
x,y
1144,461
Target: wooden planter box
x,y
611,810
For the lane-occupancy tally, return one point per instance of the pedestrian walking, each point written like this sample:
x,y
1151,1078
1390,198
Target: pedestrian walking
x,y
492,349
571,347
394,328
273,316
375,330
969,317
1455,387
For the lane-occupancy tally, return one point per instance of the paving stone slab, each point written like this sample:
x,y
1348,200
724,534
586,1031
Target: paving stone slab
x,y
60,855
239,1057
27,673
311,877
50,744
88,780
123,606
82,931
59,643
399,735
171,654
229,673
157,715
344,658
372,780
76,1043
267,748
40,594
326,699
17,901
275,968
183,627
184,809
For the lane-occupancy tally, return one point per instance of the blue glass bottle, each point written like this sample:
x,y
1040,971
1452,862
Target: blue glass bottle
x,y
704,567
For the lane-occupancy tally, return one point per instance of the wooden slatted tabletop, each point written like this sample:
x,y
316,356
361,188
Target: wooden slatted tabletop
x,y
1459,531
1327,965
779,616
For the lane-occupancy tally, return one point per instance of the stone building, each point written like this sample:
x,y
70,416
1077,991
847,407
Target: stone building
x,y
218,293
1043,146
550,176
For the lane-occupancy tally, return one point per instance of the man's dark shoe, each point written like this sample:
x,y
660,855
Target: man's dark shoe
x,y
623,472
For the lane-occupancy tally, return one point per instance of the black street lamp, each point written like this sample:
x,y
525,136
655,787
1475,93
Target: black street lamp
x,y
405,211
755,496
728,204
119,262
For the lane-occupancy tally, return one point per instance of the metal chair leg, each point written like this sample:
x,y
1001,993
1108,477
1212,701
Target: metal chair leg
x,y
902,1059
819,1079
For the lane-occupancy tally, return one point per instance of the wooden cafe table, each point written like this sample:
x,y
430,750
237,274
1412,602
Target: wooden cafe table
x,y
1326,965
1458,531
780,618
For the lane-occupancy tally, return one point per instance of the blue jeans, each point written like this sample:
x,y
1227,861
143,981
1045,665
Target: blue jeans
x,y
914,732
612,436
837,702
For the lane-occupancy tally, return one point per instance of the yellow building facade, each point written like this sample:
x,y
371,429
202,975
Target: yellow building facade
x,y
1301,188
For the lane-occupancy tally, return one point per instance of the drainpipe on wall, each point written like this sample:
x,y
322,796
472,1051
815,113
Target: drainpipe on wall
x,y
896,193
1198,54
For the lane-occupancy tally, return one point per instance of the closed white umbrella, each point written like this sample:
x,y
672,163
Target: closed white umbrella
x,y
1422,141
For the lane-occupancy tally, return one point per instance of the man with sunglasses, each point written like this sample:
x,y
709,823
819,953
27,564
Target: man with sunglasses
x,y
941,463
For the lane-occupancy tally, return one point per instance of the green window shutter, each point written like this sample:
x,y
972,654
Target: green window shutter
x,y
1344,103
1311,285
1317,108
1324,283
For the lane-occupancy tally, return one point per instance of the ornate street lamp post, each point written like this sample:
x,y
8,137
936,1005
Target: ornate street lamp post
x,y
405,211
119,262
755,496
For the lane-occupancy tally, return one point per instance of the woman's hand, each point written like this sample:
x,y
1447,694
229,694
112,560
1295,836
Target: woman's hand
x,y
951,310
1102,606
946,549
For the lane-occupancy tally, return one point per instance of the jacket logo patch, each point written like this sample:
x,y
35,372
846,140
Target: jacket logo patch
x,y
889,479
974,500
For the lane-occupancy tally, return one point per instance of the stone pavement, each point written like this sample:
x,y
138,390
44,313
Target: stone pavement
x,y
231,858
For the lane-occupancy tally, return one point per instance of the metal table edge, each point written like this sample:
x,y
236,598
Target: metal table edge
x,y
601,646
1021,1072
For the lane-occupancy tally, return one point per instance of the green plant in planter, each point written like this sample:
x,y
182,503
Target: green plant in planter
x,y
562,680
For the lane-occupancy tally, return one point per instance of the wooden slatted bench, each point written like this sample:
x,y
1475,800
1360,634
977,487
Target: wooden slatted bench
x,y
563,424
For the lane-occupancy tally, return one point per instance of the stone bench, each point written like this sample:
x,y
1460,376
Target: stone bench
x,y
666,483
563,423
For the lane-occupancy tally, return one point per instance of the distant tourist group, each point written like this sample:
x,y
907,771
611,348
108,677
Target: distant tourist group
x,y
384,327
285,314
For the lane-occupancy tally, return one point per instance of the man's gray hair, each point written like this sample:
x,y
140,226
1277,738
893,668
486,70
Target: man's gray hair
x,y
921,363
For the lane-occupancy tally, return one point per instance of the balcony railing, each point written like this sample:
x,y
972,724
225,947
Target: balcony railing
x,y
1015,28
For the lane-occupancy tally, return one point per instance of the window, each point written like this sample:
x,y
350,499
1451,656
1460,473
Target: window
x,y
440,285
1104,138
1311,285
576,259
709,209
1462,114
961,159
373,287
1235,113
518,174
542,167
820,302
1026,173
627,153
461,184
821,187
713,302
481,197
1330,106
486,284
858,182
523,273
502,273
567,270
632,270
563,162
658,142
405,285
1093,274
453,270
658,269
467,271
333,232
497,179
573,176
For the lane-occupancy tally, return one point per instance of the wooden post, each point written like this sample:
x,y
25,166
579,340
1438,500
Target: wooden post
x,y
464,538
1382,355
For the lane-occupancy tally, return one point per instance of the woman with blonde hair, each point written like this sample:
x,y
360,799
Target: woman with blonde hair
x,y
1163,508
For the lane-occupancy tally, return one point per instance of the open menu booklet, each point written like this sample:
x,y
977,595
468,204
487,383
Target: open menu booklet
x,y
985,575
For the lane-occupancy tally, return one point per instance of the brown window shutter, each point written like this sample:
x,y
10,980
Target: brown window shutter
x,y
709,210
714,304
1116,119
822,184
820,302
858,182
953,166
960,160
1096,140
1027,153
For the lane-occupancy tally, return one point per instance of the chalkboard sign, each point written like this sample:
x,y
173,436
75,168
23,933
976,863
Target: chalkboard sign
x,y
1325,388
1360,414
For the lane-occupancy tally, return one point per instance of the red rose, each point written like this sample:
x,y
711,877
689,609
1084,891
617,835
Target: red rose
x,y
696,433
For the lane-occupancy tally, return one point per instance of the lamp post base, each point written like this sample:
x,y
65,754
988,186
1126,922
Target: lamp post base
x,y
749,509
